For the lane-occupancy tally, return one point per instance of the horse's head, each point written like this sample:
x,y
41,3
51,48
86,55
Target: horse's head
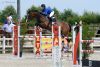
x,y
32,14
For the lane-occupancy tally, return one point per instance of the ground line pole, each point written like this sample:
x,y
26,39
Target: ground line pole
x,y
80,46
74,36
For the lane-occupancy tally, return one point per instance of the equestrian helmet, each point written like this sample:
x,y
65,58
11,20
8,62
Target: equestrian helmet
x,y
43,5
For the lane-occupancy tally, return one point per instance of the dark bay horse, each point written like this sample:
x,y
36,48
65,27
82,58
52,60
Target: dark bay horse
x,y
43,22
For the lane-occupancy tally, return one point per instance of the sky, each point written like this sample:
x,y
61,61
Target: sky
x,y
78,6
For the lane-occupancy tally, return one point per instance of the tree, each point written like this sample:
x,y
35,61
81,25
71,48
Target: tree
x,y
9,10
57,13
89,17
98,18
34,8
69,16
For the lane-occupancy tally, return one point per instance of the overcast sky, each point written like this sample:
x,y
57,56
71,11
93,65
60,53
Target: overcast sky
x,y
78,6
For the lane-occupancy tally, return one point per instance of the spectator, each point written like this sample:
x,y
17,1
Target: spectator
x,y
8,26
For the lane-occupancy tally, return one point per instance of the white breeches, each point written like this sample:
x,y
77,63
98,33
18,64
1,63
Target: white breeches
x,y
51,14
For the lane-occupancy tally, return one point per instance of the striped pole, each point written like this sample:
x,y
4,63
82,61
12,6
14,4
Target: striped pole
x,y
56,51
80,46
37,41
16,42
15,37
74,36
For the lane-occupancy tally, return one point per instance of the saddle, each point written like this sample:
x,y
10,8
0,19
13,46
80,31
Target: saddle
x,y
50,19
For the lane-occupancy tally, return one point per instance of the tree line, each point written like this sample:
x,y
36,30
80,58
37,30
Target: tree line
x,y
66,16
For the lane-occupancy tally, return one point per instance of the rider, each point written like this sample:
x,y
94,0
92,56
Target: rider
x,y
48,12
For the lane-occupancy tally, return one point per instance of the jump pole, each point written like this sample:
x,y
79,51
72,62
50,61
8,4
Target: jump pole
x,y
16,43
80,46
77,38
37,41
56,47
73,36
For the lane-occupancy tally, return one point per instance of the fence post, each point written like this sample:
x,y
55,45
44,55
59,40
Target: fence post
x,y
16,44
4,44
37,41
56,49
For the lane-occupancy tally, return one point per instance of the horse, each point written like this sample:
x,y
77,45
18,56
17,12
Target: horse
x,y
44,23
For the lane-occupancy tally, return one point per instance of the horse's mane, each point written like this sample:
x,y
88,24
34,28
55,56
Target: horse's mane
x,y
35,11
39,14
